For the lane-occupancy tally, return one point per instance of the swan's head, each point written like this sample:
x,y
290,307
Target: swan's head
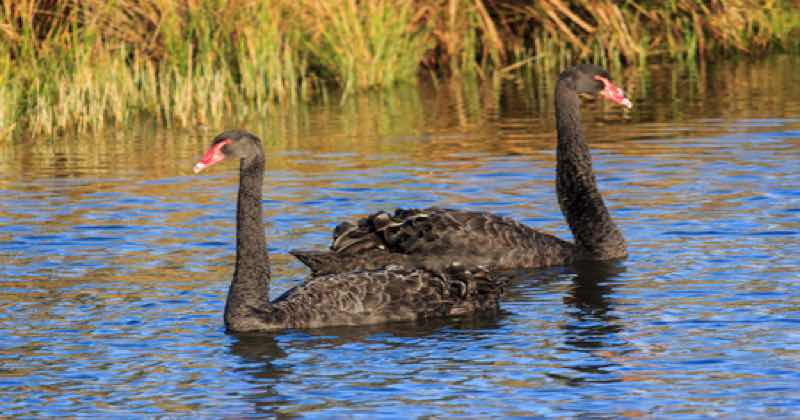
x,y
592,79
237,144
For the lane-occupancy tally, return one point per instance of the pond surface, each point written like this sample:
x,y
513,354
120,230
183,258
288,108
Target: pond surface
x,y
115,259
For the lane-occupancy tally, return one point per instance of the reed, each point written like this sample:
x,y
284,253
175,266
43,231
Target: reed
x,y
363,44
92,64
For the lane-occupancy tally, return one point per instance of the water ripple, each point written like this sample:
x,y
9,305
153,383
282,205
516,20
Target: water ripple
x,y
113,271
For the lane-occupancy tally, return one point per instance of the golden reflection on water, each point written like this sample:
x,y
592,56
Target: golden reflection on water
x,y
433,124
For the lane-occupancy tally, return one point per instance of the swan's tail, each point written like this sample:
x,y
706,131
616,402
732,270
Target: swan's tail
x,y
320,262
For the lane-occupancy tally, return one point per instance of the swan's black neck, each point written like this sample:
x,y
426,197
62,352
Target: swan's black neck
x,y
596,235
250,287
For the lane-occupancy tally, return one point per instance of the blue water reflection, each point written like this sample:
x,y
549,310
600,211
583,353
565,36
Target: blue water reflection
x,y
115,260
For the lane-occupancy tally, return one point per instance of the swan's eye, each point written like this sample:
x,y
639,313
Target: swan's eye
x,y
600,82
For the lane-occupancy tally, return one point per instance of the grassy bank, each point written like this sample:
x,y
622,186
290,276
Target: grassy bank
x,y
90,64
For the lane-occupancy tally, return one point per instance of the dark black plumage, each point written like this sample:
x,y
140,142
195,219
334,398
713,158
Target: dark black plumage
x,y
433,237
392,293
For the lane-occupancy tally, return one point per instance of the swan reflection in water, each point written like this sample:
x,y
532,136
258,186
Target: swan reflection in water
x,y
594,327
274,363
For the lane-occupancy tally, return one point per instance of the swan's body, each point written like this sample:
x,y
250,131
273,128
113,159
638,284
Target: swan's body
x,y
432,237
353,298
370,297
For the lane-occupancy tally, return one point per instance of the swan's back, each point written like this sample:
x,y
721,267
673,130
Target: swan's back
x,y
434,237
379,296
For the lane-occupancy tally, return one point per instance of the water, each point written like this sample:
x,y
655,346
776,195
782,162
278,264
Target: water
x,y
115,260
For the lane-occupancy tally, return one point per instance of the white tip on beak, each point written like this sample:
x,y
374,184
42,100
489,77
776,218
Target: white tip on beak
x,y
199,166
627,103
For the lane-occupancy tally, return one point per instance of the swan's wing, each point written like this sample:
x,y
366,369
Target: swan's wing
x,y
440,231
434,238
330,262
393,294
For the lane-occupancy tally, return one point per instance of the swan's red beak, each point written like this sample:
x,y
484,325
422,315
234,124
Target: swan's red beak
x,y
614,93
212,156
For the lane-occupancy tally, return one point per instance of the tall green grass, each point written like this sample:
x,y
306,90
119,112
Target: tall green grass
x,y
363,44
92,64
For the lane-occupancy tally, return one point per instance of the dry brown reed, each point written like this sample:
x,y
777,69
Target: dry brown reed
x,y
88,64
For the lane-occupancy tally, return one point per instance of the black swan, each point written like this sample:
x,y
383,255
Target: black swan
x,y
432,237
355,298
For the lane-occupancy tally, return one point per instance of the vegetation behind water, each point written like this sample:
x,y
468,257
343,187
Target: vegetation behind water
x,y
89,64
